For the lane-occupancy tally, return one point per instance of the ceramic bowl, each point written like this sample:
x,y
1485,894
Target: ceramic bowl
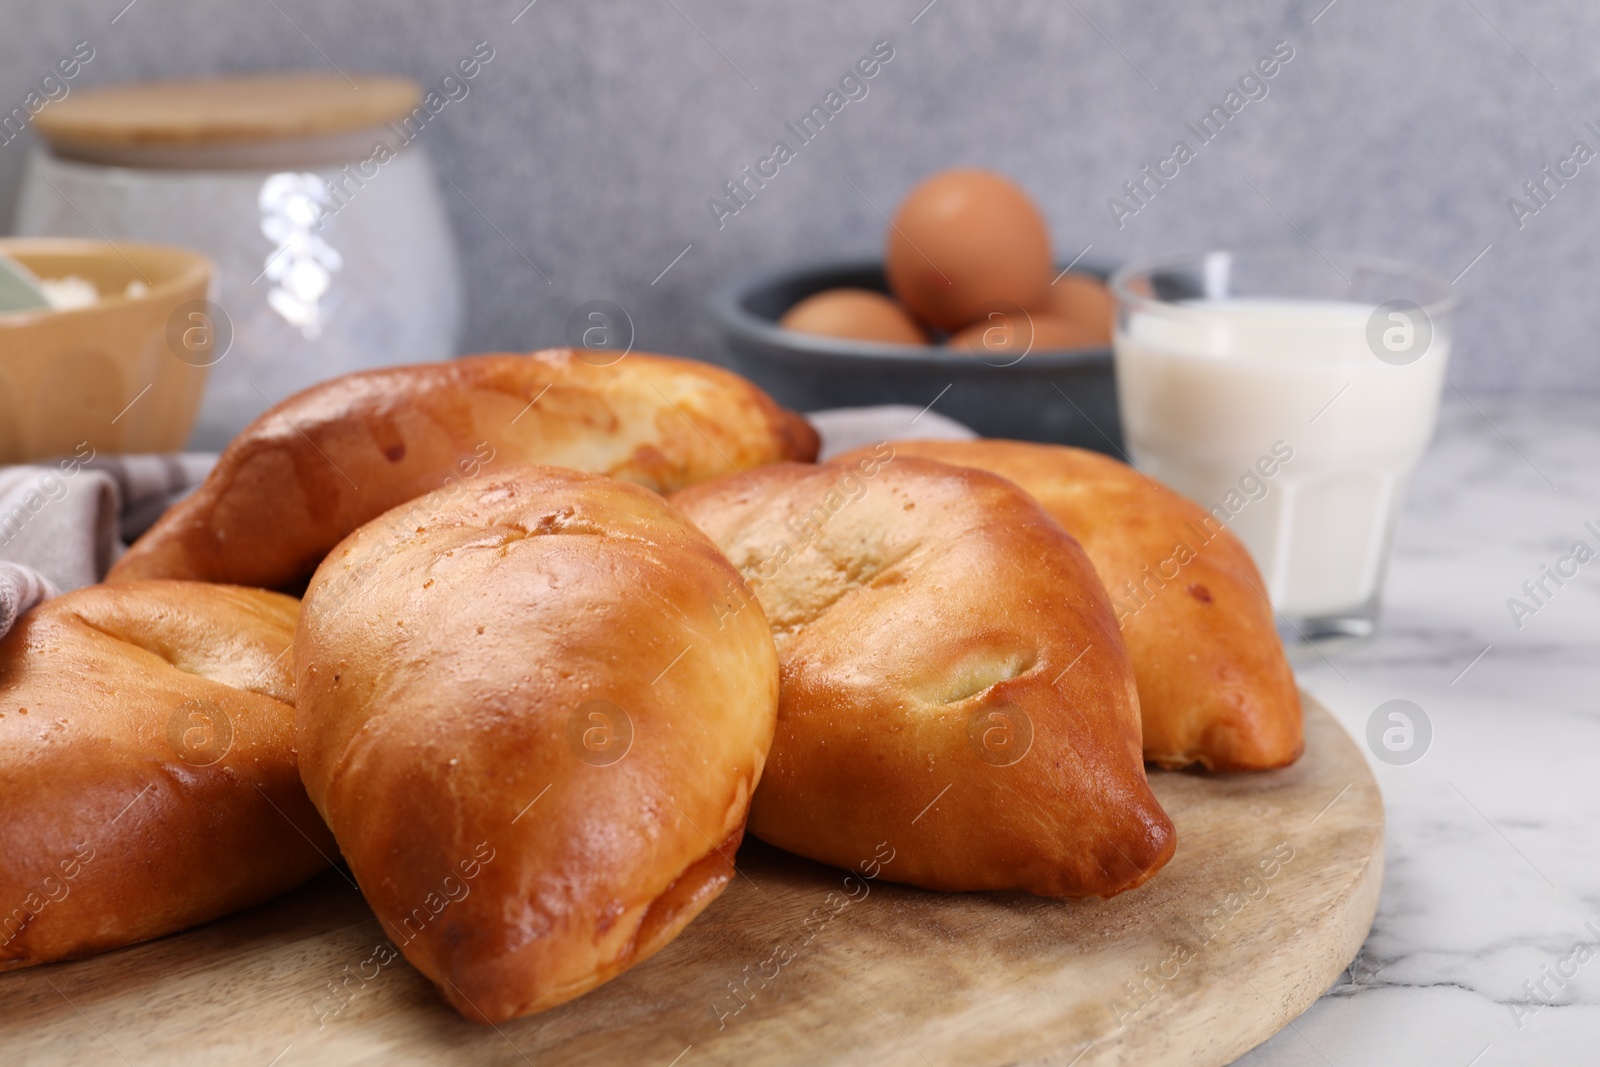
x,y
123,375
1065,397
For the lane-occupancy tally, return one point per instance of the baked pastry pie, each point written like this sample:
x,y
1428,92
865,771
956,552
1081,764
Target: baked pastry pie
x,y
954,684
532,729
1214,684
326,460
147,766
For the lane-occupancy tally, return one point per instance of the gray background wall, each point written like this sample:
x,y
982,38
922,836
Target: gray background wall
x,y
596,135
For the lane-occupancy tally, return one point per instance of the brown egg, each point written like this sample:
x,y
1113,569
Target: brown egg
x,y
1085,300
859,314
1016,333
964,238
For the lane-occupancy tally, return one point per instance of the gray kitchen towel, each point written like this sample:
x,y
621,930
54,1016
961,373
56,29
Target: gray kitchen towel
x,y
67,520
20,589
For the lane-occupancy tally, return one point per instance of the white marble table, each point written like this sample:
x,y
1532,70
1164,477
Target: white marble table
x,y
1493,852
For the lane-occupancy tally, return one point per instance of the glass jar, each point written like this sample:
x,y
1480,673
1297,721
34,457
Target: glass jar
x,y
332,249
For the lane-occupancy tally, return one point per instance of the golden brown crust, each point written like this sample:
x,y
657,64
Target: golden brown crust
x,y
1214,684
147,766
326,460
450,671
954,686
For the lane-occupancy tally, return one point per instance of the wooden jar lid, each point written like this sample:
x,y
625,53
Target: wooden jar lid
x,y
275,119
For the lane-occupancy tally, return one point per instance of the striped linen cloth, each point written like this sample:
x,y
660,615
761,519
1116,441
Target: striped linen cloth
x,y
64,521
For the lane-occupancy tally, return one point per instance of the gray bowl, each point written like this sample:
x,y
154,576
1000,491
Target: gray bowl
x,y
1065,397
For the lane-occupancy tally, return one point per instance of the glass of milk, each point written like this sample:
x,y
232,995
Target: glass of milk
x,y
1291,397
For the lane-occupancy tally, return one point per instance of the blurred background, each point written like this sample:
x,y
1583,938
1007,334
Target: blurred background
x,y
581,163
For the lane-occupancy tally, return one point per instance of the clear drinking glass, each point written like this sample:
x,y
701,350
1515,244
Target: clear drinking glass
x,y
1291,396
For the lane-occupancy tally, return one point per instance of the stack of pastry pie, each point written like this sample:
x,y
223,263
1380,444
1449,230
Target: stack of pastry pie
x,y
566,630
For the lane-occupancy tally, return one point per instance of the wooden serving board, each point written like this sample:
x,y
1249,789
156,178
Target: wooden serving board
x,y
1272,891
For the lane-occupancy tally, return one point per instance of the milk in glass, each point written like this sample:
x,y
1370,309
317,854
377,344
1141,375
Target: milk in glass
x,y
1208,388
